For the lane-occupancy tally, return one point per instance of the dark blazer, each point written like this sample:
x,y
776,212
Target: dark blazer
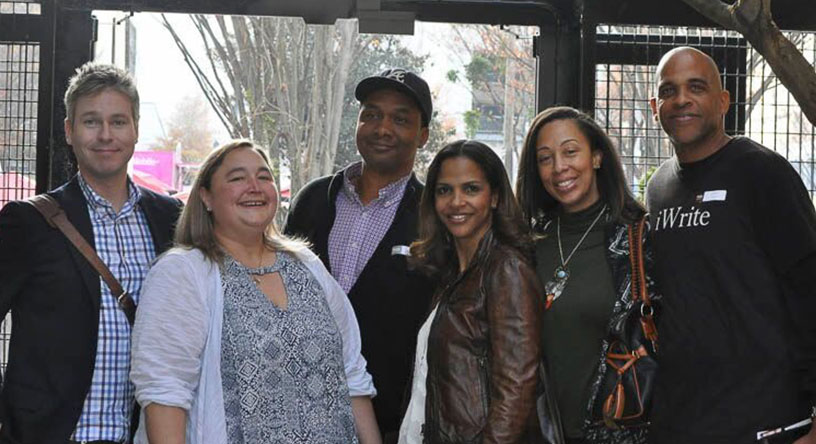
x,y
389,300
54,296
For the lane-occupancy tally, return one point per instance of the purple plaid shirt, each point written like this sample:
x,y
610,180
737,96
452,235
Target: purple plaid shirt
x,y
358,228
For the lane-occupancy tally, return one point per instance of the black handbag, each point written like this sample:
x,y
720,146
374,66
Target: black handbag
x,y
549,418
624,396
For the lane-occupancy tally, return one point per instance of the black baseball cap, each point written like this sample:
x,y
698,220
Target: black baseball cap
x,y
403,81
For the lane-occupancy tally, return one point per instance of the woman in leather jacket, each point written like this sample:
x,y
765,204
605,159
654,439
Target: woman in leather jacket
x,y
475,375
573,193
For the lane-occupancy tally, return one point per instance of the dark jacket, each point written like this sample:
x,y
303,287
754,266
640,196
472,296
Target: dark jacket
x,y
54,295
484,351
617,256
390,300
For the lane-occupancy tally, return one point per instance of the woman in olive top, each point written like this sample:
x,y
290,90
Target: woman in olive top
x,y
573,192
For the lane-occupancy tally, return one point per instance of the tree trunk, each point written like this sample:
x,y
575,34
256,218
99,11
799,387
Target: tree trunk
x,y
278,82
347,31
509,117
752,19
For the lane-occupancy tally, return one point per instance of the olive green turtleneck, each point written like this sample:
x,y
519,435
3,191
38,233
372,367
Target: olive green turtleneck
x,y
576,323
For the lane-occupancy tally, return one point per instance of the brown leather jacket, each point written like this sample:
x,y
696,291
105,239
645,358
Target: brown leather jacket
x,y
484,351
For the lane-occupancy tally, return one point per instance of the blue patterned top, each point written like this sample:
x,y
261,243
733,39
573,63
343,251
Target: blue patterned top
x,y
282,369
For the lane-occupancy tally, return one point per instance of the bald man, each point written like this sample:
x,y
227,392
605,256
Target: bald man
x,y
735,247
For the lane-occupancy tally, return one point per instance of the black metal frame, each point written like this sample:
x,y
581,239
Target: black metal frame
x,y
565,50
558,80
788,14
730,54
58,59
27,28
625,59
68,54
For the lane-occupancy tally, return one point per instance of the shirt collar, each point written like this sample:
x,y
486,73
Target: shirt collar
x,y
388,195
97,203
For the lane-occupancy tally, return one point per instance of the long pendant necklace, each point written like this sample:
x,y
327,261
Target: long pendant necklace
x,y
555,286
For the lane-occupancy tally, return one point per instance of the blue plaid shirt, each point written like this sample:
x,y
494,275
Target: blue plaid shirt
x,y
124,244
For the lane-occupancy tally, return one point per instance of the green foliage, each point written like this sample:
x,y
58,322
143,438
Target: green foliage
x,y
485,67
438,137
640,192
452,76
472,118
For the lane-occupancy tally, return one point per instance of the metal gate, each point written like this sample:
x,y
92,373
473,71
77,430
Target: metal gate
x,y
33,152
22,32
20,63
761,108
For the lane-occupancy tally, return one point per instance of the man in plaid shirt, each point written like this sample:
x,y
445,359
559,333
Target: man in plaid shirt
x,y
69,354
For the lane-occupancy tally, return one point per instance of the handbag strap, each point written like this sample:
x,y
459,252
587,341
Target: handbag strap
x,y
55,216
640,291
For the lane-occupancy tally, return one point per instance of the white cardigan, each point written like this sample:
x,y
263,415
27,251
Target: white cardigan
x,y
176,348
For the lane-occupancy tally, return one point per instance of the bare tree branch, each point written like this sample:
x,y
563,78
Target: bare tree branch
x,y
715,10
202,80
278,82
752,19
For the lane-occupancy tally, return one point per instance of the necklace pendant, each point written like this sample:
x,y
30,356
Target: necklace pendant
x,y
256,278
555,286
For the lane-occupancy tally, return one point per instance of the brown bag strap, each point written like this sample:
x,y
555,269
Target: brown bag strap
x,y
55,216
639,289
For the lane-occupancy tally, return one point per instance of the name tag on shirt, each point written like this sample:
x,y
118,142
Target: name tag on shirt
x,y
715,196
403,250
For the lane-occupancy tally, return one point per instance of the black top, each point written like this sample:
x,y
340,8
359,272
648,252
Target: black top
x,y
726,229
575,325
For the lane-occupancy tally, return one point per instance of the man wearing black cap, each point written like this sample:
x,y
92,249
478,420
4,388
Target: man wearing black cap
x,y
361,221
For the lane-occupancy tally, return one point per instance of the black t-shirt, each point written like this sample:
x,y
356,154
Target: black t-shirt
x,y
725,229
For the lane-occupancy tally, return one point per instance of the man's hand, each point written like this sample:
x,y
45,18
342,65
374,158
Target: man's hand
x,y
810,438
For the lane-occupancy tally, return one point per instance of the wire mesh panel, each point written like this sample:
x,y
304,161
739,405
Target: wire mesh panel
x,y
773,116
761,108
19,73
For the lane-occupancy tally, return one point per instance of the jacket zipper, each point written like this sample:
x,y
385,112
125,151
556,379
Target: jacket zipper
x,y
485,381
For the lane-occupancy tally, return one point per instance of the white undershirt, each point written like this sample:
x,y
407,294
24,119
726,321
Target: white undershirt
x,y
411,428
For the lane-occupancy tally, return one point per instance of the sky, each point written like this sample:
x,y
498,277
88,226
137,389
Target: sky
x,y
162,76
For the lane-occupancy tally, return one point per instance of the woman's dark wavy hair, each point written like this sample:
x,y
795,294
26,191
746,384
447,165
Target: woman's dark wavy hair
x,y
537,204
434,253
